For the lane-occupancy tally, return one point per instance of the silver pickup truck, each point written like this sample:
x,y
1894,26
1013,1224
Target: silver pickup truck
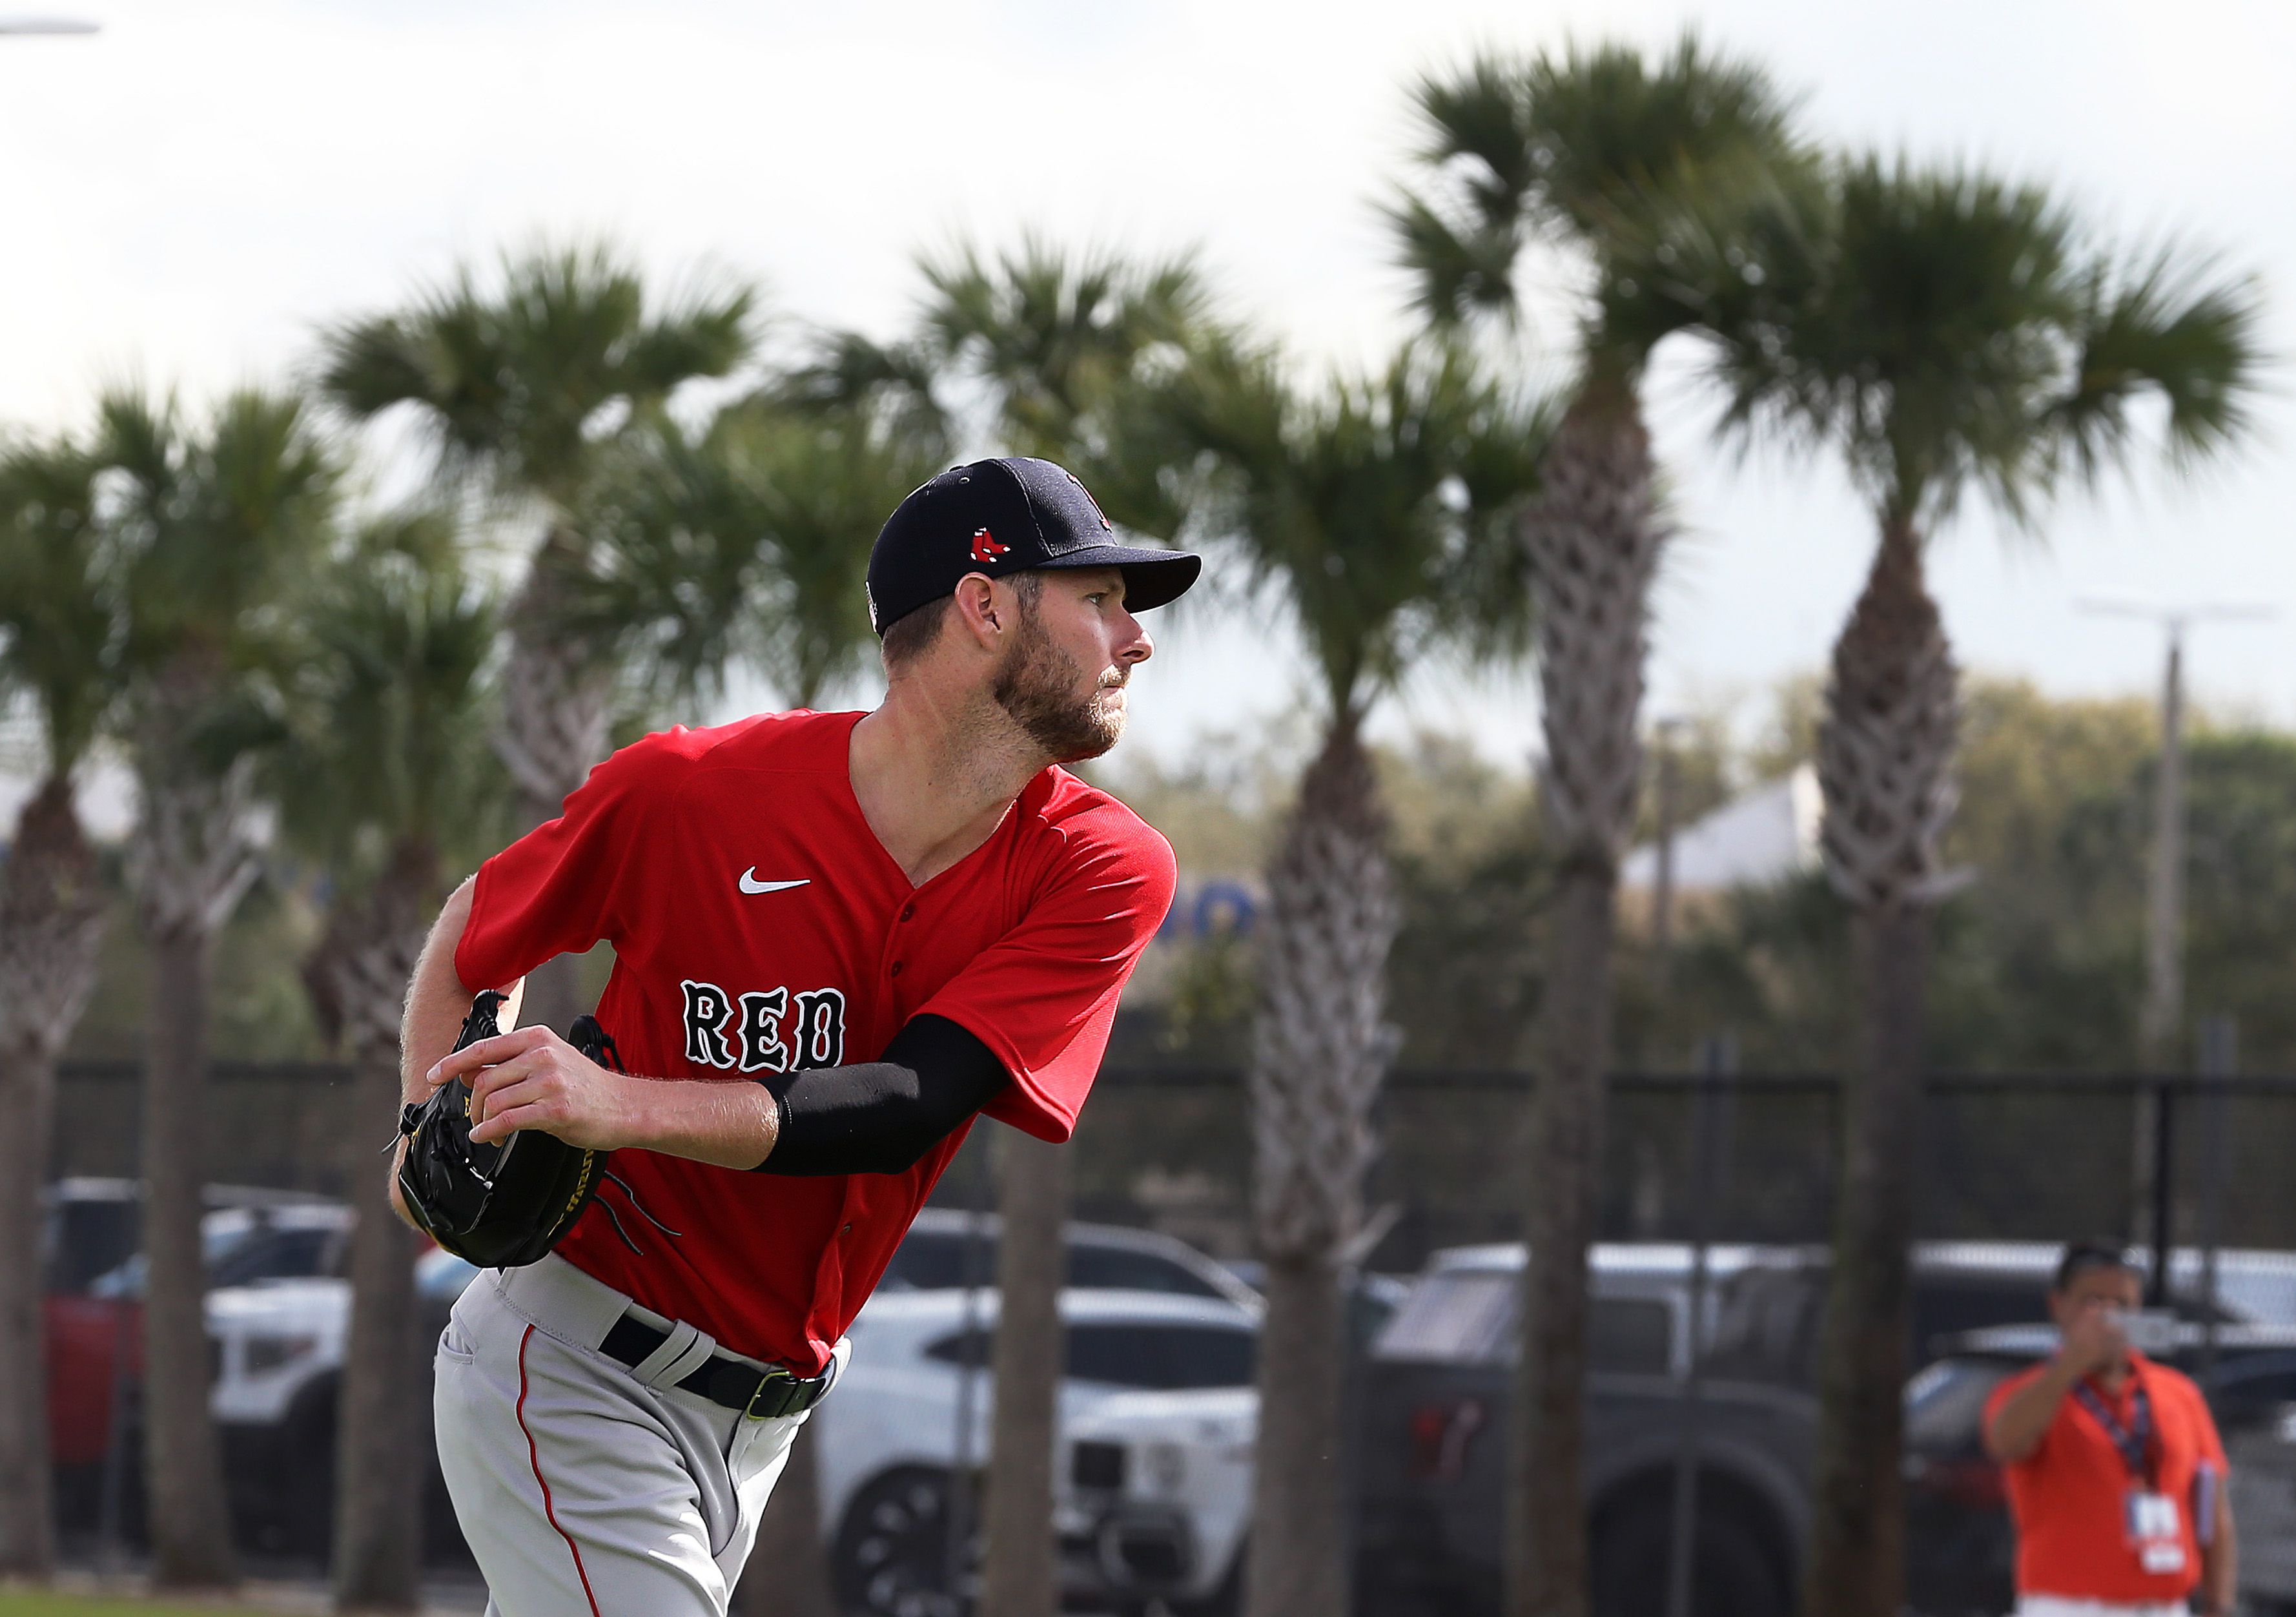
x,y
1431,1461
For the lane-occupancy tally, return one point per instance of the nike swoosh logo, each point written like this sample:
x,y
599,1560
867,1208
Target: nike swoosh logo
x,y
749,882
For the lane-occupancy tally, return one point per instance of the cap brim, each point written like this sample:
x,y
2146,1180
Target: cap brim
x,y
1151,577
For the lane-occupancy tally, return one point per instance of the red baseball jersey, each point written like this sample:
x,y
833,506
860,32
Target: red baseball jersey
x,y
760,926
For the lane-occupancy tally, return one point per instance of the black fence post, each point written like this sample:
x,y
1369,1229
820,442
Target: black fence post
x,y
2164,1189
1718,1064
2219,1059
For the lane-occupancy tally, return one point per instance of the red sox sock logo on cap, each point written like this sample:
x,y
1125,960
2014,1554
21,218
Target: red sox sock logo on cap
x,y
986,549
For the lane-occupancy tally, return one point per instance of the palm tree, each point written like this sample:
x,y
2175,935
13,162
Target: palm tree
x,y
524,387
1942,330
60,655
1566,151
215,521
383,774
1378,511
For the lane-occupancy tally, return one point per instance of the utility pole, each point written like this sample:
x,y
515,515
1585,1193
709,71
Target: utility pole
x,y
2161,1020
2164,912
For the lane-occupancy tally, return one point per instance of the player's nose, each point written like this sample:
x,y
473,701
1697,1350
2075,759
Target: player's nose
x,y
1135,646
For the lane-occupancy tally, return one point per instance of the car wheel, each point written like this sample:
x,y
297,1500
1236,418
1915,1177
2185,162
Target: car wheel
x,y
892,1554
1732,1572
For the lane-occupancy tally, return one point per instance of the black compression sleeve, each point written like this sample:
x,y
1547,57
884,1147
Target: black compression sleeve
x,y
882,1116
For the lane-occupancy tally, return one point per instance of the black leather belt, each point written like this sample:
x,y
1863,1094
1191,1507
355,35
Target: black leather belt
x,y
760,1394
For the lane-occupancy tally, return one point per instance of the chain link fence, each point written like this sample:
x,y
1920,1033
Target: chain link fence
x,y
2002,1157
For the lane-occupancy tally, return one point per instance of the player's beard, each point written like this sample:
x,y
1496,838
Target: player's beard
x,y
1042,688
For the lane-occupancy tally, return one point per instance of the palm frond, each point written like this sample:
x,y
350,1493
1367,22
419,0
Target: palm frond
x,y
379,738
514,378
846,372
1055,334
1371,504
2169,324
1574,148
1943,328
1456,273
60,620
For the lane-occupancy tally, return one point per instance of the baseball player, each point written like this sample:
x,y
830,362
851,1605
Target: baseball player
x,y
838,937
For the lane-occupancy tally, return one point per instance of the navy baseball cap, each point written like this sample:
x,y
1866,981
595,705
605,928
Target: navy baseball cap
x,y
1006,516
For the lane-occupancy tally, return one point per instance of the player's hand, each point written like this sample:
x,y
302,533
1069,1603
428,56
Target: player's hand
x,y
2094,1340
530,1078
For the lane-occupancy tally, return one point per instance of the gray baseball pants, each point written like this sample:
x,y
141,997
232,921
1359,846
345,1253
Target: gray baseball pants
x,y
583,1485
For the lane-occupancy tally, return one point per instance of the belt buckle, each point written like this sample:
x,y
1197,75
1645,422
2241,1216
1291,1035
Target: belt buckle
x,y
775,1373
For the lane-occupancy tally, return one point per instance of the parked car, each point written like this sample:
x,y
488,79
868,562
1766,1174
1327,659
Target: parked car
x,y
908,1419
92,1308
946,1249
280,1345
1153,1489
1957,1516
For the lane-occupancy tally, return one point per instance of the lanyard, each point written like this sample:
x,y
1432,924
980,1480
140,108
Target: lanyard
x,y
2136,1444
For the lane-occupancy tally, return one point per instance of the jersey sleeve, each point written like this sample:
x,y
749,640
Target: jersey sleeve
x,y
563,886
1043,997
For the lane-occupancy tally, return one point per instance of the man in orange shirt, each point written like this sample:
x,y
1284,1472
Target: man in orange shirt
x,y
2116,1474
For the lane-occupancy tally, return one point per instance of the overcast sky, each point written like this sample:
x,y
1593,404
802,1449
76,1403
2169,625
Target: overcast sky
x,y
186,193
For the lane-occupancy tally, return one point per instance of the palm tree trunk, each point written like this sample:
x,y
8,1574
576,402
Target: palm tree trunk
x,y
1547,1456
359,977
1885,753
788,1574
1321,1048
557,697
1594,537
1296,1565
28,1541
191,1527
50,922
190,862
1032,1193
1858,1550
378,1522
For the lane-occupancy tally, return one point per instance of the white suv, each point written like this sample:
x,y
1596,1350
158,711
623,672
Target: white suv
x,y
914,1409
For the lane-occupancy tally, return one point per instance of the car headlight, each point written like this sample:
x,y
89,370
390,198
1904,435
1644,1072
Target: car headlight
x,y
264,1353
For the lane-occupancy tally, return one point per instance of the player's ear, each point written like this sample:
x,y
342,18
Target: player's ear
x,y
977,609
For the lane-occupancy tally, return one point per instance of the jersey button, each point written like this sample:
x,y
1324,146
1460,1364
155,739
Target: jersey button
x,y
897,968
909,912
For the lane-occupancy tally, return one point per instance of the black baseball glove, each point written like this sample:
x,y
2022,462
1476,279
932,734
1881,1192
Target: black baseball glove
x,y
503,1205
